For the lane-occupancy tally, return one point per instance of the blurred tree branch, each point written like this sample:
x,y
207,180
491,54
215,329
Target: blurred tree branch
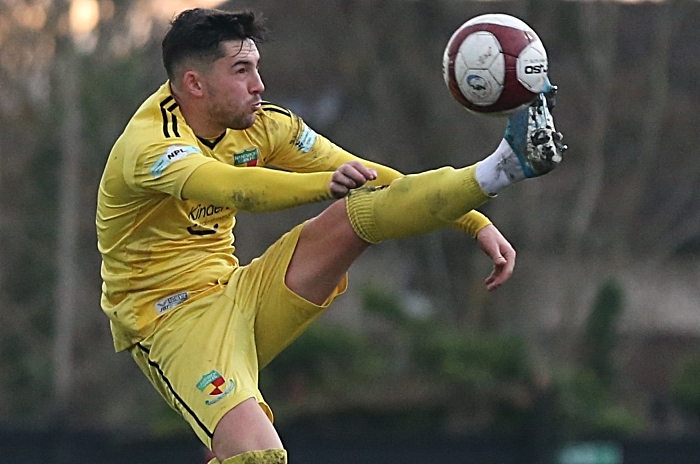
x,y
67,88
634,196
597,31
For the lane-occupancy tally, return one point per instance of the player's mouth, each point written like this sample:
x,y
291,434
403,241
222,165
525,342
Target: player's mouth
x,y
257,105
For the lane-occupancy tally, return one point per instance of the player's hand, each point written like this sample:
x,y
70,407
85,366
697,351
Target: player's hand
x,y
349,176
501,253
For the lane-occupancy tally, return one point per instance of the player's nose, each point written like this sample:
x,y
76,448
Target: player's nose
x,y
257,85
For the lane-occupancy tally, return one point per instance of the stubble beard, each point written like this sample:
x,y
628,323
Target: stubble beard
x,y
229,119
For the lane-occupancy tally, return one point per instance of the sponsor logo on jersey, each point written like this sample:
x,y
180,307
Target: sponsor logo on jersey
x,y
306,139
169,302
173,153
203,211
216,386
246,158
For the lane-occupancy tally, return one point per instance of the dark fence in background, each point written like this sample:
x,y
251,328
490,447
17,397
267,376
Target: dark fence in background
x,y
26,447
31,447
410,449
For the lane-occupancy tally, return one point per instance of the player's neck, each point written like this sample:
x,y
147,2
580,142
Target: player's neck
x,y
201,127
197,118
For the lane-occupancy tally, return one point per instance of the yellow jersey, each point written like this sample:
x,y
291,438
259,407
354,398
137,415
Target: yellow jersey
x,y
160,250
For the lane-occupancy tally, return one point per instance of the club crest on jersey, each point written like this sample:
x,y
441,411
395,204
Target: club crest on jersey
x,y
246,158
215,386
172,154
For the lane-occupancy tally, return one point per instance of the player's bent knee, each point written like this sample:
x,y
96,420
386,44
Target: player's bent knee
x,y
271,456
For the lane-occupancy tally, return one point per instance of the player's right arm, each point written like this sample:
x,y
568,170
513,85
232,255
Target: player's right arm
x,y
181,170
256,189
176,166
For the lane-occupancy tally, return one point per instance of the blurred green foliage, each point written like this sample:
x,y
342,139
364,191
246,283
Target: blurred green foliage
x,y
685,385
377,300
587,409
479,361
600,335
323,354
586,401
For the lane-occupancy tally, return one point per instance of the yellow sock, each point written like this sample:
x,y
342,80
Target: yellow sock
x,y
415,204
271,456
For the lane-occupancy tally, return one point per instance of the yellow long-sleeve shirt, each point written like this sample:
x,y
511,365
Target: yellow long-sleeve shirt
x,y
160,249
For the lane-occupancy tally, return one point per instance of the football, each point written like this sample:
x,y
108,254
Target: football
x,y
495,64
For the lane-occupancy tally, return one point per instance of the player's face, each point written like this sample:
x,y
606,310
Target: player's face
x,y
234,86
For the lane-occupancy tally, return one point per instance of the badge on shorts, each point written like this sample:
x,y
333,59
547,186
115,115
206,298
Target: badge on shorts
x,y
216,386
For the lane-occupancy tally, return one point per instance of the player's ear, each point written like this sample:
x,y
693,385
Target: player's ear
x,y
192,83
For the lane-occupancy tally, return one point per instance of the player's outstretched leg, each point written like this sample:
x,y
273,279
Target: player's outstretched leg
x,y
415,204
421,203
274,456
530,147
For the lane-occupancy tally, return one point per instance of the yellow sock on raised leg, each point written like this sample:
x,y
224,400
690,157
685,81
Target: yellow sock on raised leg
x,y
415,204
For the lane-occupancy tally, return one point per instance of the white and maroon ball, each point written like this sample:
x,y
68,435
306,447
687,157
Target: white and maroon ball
x,y
495,64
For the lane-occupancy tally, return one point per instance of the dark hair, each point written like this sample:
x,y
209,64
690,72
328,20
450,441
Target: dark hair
x,y
198,33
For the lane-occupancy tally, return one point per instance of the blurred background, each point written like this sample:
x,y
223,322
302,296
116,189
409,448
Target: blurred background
x,y
589,355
